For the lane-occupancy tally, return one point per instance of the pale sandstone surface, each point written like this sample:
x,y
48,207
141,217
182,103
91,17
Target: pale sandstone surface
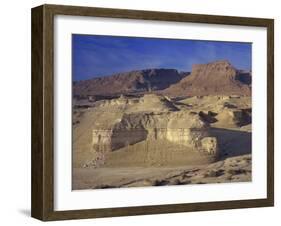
x,y
151,136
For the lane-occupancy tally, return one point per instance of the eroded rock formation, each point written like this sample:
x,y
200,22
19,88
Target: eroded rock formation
x,y
214,78
156,122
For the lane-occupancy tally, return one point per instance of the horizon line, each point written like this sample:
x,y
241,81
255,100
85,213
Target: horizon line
x,y
155,68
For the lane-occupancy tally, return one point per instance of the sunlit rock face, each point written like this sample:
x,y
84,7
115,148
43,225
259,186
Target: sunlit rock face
x,y
234,117
216,78
154,127
177,128
210,145
186,129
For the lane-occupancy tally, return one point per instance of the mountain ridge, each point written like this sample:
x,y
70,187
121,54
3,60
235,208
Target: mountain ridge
x,y
136,81
215,78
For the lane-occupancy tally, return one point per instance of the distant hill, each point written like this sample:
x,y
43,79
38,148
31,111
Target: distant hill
x,y
216,78
140,81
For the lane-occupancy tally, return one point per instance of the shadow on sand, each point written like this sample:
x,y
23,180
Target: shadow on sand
x,y
232,142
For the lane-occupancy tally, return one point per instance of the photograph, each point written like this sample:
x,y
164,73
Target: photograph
x,y
140,112
155,111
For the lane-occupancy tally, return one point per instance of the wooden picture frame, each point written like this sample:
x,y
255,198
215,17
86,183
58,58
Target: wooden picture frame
x,y
43,112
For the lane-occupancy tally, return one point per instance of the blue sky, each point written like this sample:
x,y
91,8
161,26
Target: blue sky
x,y
96,56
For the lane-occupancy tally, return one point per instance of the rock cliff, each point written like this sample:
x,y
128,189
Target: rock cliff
x,y
216,78
152,119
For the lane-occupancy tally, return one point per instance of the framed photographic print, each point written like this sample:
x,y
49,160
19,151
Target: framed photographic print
x,y
141,112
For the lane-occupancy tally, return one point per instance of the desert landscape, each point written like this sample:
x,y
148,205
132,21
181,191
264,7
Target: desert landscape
x,y
162,126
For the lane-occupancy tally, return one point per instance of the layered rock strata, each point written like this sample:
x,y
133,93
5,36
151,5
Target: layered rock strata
x,y
160,122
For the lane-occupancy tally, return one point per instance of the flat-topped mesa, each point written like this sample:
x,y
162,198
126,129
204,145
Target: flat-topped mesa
x,y
220,65
215,78
219,69
223,63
